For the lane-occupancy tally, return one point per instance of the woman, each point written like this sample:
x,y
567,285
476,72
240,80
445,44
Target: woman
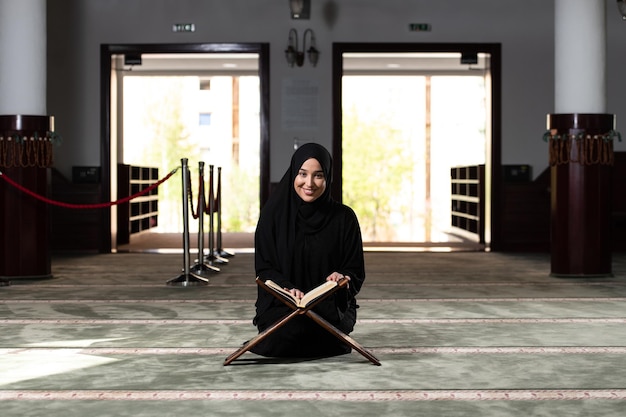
x,y
304,238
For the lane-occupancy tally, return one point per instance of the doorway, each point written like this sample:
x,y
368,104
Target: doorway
x,y
425,109
158,74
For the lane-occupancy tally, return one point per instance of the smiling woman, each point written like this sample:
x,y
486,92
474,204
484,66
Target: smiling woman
x,y
303,239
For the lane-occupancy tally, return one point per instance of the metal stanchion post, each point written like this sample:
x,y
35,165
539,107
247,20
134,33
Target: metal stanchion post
x,y
201,268
187,278
220,250
212,258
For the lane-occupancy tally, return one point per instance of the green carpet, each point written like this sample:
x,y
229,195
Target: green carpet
x,y
458,334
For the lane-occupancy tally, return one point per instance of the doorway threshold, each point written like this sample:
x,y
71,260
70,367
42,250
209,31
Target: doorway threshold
x,y
423,247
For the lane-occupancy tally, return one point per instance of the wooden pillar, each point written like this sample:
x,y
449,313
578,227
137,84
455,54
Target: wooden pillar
x,y
581,142
25,157
581,160
26,136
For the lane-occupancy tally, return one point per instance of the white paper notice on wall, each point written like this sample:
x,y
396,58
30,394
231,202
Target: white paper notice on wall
x,y
300,104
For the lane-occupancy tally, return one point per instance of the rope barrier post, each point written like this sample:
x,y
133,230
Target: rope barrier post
x,y
211,258
201,268
220,250
187,278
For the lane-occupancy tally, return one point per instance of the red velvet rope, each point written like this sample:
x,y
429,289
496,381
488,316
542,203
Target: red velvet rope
x,y
194,213
207,205
86,206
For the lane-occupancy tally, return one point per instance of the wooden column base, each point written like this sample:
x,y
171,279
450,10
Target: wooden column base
x,y
581,152
24,247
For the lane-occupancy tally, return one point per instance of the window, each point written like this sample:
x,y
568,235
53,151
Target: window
x,y
205,119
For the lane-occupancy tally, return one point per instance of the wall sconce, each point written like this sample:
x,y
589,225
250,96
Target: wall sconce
x,y
300,9
621,6
296,56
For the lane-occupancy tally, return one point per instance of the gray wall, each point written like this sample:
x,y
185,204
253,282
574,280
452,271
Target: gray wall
x,y
77,28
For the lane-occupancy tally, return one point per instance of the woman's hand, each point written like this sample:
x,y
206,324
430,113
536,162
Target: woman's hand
x,y
336,276
295,292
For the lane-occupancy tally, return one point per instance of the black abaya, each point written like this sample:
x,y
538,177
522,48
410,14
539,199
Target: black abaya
x,y
297,245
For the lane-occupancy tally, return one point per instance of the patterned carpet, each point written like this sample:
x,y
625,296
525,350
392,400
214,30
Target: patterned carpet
x,y
156,241
458,334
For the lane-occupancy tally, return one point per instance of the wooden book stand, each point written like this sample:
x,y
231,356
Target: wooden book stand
x,y
307,311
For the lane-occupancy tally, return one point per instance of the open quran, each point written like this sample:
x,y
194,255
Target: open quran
x,y
308,298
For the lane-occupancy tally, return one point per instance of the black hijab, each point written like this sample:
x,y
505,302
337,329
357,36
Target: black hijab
x,y
298,244
285,212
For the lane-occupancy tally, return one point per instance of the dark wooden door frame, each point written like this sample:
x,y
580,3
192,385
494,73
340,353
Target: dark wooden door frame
x,y
106,53
495,70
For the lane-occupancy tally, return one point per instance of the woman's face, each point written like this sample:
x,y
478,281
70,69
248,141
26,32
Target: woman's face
x,y
310,182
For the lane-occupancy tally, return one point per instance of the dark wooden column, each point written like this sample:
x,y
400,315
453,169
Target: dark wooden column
x,y
25,158
581,161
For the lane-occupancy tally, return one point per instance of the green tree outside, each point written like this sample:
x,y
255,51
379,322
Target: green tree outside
x,y
374,172
164,116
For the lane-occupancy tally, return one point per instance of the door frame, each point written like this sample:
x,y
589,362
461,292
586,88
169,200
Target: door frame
x,y
106,53
494,179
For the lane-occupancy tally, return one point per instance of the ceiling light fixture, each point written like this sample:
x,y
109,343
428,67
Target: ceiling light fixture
x,y
621,6
300,9
294,55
